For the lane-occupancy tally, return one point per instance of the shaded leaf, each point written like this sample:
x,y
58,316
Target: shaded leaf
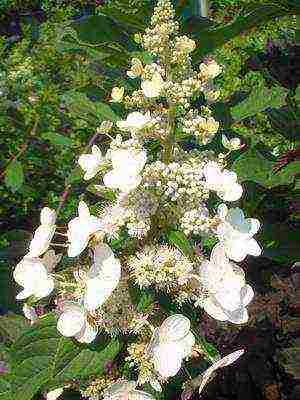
x,y
14,176
212,38
57,139
42,355
253,166
259,100
85,108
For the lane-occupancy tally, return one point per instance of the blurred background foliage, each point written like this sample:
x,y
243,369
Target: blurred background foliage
x,y
59,62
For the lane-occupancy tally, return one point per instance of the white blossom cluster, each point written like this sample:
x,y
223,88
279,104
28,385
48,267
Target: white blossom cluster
x,y
156,189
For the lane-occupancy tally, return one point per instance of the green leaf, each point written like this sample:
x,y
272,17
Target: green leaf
x,y
12,326
14,176
253,166
57,139
259,100
284,122
80,104
179,240
212,38
5,387
97,29
41,355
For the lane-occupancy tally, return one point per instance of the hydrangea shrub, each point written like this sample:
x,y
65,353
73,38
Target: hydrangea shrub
x,y
171,228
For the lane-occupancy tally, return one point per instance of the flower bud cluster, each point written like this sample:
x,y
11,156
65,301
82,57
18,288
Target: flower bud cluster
x,y
159,266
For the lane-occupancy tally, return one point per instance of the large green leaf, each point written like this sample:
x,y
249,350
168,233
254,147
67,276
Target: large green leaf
x,y
57,139
14,176
42,355
85,108
259,100
253,166
212,38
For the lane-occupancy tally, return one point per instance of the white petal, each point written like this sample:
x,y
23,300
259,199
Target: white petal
x,y
187,344
44,288
88,334
247,294
100,287
225,361
139,395
83,210
24,294
175,327
214,310
29,312
54,394
48,216
155,384
232,193
41,240
72,320
167,359
253,248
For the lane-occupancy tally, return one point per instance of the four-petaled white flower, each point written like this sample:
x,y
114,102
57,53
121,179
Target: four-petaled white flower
x,y
231,144
54,394
127,165
102,278
73,322
153,88
170,344
210,69
80,230
117,94
135,121
43,234
224,183
91,163
228,294
136,68
236,232
34,274
125,390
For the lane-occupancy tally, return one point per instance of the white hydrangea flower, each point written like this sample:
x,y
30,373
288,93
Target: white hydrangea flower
x,y
231,144
34,275
91,163
54,394
236,232
127,165
117,94
136,69
102,278
125,390
43,234
80,229
170,344
153,88
224,183
228,293
135,121
73,322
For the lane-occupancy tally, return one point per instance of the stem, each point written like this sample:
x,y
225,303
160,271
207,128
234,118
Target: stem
x,y
170,140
